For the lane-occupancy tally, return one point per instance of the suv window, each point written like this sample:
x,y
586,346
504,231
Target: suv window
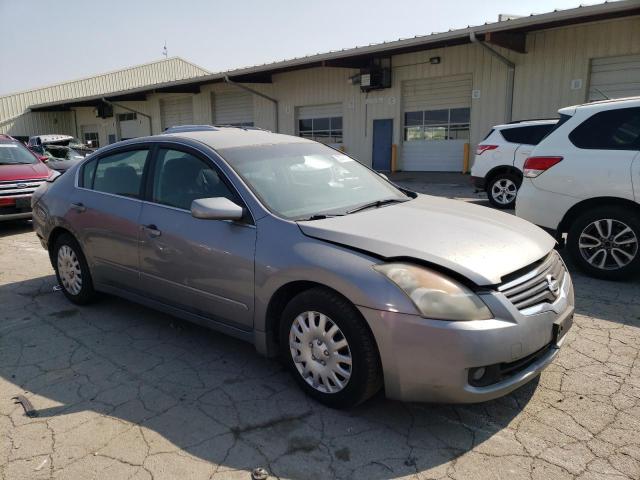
x,y
181,178
617,129
529,135
119,173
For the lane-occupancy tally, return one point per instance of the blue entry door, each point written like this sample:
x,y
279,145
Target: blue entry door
x,y
382,141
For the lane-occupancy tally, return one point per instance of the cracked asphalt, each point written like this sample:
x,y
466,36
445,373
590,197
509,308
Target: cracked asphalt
x,y
124,392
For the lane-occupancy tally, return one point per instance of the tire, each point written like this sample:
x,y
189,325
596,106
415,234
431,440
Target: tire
x,y
365,373
67,253
502,190
615,254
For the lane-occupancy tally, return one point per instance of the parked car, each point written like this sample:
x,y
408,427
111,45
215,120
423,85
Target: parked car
x,y
497,166
38,144
583,180
21,173
298,248
60,157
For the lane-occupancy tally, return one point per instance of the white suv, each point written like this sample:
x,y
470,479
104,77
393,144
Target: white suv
x,y
583,180
497,166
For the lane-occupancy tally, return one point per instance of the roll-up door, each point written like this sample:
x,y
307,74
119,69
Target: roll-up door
x,y
176,111
614,77
322,123
233,108
436,115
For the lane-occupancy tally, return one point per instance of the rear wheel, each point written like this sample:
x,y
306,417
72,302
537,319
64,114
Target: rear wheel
x,y
328,349
604,242
502,190
72,270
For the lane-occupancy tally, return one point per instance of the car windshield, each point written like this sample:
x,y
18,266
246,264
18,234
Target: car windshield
x,y
13,154
302,180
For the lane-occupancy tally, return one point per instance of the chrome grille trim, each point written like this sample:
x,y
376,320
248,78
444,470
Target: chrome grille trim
x,y
532,288
19,187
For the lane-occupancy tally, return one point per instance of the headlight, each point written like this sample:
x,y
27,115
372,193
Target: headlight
x,y
435,295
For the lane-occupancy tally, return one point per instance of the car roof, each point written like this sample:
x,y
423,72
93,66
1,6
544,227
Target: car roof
x,y
603,104
52,138
527,123
8,139
231,137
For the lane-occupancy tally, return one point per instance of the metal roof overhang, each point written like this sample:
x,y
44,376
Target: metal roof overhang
x,y
508,34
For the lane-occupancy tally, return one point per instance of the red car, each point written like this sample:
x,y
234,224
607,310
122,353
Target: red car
x,y
21,173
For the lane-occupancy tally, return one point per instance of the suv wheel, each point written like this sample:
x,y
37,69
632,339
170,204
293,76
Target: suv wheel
x,y
72,270
604,242
502,190
328,349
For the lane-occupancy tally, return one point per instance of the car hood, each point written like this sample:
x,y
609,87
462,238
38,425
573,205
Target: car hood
x,y
479,243
31,171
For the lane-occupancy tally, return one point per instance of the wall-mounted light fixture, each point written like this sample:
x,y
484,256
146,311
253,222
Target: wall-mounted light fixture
x,y
434,60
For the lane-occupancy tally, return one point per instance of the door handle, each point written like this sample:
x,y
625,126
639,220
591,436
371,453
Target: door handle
x,y
78,207
152,230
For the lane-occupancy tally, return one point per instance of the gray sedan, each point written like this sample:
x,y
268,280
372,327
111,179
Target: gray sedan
x,y
306,253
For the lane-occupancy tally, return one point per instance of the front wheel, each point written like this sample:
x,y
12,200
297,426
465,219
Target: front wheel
x,y
604,242
502,190
72,270
328,349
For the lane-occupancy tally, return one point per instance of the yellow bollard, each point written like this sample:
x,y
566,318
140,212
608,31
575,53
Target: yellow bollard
x,y
465,161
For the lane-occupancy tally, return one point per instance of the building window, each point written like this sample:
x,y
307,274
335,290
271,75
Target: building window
x,y
123,117
325,130
91,139
443,124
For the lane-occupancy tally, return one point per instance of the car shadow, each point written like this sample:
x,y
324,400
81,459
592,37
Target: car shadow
x,y
613,301
208,395
14,227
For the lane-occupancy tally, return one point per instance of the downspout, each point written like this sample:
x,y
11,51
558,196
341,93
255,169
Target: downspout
x,y
114,104
511,69
260,94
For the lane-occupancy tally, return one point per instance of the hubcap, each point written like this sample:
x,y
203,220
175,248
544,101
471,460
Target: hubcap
x,y
320,352
608,244
69,270
504,191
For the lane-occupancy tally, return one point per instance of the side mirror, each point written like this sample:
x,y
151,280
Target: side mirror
x,y
43,158
217,208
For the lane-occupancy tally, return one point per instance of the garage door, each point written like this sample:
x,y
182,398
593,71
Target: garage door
x,y
614,77
322,123
233,108
436,116
176,111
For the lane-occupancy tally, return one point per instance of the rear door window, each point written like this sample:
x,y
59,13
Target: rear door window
x,y
617,129
529,135
119,173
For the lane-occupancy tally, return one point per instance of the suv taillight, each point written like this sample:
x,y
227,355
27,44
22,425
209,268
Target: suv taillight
x,y
483,148
534,166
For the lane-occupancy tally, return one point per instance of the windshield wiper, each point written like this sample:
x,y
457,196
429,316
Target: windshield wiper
x,y
376,204
15,163
320,216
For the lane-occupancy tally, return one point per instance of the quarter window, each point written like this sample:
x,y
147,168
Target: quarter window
x,y
617,129
326,130
442,124
119,173
529,135
180,178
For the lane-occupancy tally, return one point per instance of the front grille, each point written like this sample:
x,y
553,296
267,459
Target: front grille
x,y
536,285
20,187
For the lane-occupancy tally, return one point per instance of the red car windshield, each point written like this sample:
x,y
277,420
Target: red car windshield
x,y
12,153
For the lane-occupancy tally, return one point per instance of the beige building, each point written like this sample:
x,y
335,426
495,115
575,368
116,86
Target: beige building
x,y
413,104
